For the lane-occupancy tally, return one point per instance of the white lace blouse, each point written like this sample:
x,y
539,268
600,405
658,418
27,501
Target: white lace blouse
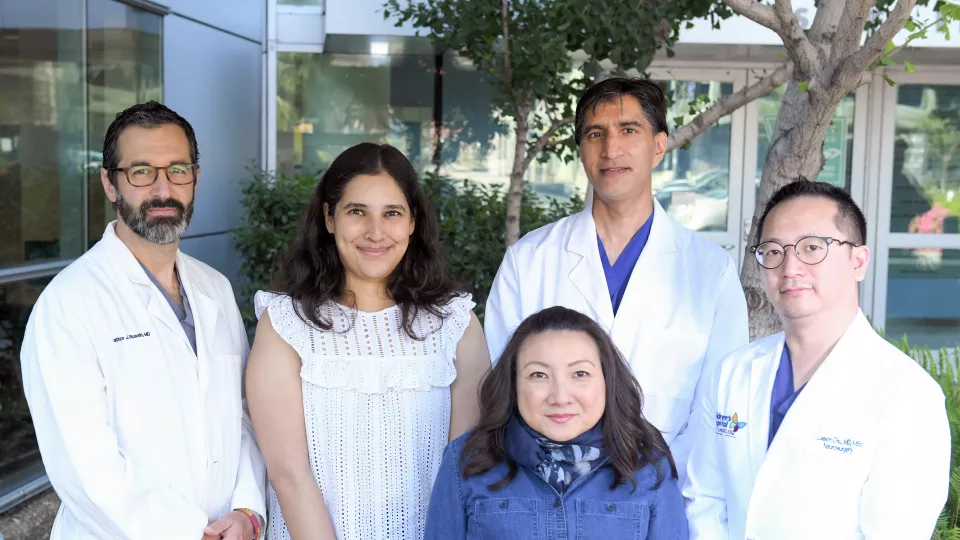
x,y
376,404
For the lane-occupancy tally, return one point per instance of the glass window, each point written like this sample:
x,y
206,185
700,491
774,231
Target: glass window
x,y
43,157
693,184
837,146
479,145
923,296
124,48
19,456
926,160
327,103
300,2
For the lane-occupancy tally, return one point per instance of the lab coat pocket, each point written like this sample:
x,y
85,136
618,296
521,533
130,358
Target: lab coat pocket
x,y
608,520
507,518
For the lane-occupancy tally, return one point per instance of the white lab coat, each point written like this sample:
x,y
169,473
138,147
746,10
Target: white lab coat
x,y
140,437
864,451
682,312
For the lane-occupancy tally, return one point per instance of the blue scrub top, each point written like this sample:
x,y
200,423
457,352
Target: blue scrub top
x,y
783,396
618,274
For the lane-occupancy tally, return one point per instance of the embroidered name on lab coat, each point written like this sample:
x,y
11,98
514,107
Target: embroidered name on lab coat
x,y
131,336
835,444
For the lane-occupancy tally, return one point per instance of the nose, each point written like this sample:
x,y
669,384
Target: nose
x,y
611,145
162,188
375,229
559,392
792,265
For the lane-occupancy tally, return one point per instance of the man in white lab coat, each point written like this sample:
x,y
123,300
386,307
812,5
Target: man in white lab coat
x,y
671,300
133,358
824,430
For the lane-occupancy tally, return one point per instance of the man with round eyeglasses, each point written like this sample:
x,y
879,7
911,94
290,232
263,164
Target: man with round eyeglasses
x,y
133,360
824,430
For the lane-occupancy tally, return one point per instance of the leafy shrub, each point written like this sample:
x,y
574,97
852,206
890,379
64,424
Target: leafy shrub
x,y
471,220
942,367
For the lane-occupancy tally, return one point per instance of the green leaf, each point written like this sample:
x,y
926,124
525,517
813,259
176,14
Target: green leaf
x,y
889,48
889,80
908,67
804,86
910,26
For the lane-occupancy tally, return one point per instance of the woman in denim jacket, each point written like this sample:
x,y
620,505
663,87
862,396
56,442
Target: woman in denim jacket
x,y
562,449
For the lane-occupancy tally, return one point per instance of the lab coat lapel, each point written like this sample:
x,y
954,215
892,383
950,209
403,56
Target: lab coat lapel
x,y
823,392
205,314
121,260
763,373
587,274
649,288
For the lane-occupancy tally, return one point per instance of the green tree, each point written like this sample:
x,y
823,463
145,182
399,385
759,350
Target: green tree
x,y
825,62
531,49
527,48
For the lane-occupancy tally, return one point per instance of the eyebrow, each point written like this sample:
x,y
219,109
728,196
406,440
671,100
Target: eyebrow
x,y
141,162
779,241
350,205
571,364
628,123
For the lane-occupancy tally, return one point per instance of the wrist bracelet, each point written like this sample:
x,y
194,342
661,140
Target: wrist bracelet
x,y
254,520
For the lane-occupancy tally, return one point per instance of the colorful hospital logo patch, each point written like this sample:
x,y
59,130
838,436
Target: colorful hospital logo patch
x,y
729,425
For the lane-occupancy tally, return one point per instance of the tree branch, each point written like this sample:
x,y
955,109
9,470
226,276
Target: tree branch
x,y
849,30
804,55
871,50
544,140
728,104
756,12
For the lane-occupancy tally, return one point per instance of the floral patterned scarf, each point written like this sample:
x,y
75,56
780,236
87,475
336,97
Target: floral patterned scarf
x,y
559,464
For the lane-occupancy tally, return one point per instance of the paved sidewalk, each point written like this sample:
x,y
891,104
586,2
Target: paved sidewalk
x,y
31,520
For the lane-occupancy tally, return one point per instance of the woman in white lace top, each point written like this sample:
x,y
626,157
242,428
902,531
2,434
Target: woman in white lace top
x,y
366,360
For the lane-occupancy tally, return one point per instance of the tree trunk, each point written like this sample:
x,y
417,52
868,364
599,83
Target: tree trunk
x,y
515,191
796,149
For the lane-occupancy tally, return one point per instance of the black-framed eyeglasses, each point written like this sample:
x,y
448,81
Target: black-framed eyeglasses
x,y
145,175
809,249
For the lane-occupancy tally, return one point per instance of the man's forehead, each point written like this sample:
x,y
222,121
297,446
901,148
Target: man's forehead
x,y
801,214
616,108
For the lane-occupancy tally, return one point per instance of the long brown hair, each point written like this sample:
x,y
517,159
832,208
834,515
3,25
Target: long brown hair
x,y
313,272
631,441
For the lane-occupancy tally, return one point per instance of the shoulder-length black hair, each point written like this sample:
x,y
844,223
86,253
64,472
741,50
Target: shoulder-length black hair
x,y
631,441
313,273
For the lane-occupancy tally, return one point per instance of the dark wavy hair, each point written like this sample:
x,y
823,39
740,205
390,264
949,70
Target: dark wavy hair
x,y
631,441
313,273
148,115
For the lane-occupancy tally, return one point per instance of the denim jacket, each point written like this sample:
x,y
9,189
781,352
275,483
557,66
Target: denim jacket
x,y
530,509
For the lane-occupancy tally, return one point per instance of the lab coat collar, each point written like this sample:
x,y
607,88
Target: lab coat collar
x,y
204,307
583,239
587,274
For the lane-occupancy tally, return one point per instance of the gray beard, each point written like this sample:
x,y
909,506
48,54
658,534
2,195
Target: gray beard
x,y
158,230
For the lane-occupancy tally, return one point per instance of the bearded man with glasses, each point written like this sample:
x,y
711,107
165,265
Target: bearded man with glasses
x,y
824,430
133,358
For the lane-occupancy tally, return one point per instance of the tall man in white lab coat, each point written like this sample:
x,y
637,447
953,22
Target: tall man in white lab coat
x,y
133,358
824,430
671,300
